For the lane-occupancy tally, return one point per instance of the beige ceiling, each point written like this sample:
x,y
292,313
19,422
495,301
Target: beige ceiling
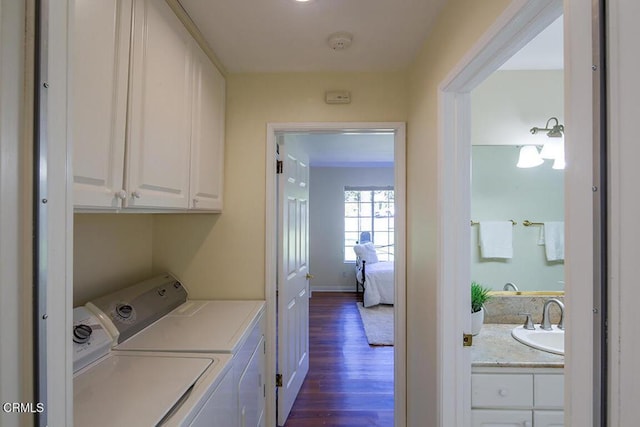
x,y
285,35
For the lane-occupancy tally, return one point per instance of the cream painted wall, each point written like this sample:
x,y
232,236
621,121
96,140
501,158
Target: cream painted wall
x,y
16,233
458,27
222,256
110,252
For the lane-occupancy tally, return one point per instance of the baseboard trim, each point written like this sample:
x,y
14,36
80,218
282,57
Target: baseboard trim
x,y
333,288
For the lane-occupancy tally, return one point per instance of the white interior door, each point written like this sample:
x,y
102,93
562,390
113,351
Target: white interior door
x,y
292,277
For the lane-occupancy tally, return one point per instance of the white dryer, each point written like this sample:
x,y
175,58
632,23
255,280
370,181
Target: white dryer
x,y
145,389
155,316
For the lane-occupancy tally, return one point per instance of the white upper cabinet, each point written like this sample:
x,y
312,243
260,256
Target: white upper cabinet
x,y
207,134
147,110
158,149
99,66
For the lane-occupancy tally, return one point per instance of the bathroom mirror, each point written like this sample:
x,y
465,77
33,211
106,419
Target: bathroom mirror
x,y
503,109
501,192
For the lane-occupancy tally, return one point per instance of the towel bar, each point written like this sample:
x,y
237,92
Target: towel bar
x,y
478,222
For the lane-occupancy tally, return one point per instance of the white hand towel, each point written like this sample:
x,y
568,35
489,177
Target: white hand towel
x,y
553,232
496,239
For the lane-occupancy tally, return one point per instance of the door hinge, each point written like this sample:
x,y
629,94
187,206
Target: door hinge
x,y
467,340
278,380
278,166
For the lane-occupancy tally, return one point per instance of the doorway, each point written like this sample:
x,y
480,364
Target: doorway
x,y
520,22
271,250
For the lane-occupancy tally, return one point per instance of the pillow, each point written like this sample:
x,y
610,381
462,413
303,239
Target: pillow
x,y
366,252
370,254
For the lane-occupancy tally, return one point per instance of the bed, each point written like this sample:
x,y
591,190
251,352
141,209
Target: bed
x,y
375,278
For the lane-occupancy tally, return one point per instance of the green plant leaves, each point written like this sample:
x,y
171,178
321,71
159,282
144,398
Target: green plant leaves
x,y
479,295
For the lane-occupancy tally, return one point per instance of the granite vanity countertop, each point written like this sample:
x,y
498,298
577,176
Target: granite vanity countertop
x,y
495,347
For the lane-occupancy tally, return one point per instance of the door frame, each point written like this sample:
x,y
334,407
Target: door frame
x,y
271,254
518,24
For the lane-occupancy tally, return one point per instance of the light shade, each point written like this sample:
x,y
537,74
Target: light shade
x,y
552,148
529,157
559,160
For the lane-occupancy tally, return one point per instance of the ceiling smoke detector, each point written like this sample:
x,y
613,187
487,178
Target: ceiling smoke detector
x,y
340,41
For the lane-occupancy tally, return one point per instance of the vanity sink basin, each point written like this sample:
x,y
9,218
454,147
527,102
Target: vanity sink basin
x,y
551,341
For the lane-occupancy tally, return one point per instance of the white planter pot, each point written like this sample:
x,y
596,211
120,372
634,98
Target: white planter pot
x,y
477,319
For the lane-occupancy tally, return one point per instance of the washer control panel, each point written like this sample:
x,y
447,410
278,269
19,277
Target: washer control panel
x,y
90,339
133,308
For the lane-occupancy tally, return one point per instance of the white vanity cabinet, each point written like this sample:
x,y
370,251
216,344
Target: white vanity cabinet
x,y
523,397
501,418
147,110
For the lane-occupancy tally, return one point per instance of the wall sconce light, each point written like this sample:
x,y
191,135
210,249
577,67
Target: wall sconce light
x,y
529,157
558,163
555,131
553,149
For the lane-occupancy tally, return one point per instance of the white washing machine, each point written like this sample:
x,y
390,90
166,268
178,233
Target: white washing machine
x,y
142,388
155,316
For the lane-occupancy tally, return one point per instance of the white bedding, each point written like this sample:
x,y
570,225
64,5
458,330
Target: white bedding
x,y
378,283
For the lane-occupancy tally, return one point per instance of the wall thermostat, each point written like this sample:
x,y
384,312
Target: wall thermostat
x,y
337,97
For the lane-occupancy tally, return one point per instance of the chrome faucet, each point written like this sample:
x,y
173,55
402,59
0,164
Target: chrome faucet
x,y
528,323
510,285
546,323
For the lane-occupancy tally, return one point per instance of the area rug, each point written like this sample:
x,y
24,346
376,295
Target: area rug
x,y
378,323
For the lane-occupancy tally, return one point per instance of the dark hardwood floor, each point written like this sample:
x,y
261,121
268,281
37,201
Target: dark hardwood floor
x,y
349,383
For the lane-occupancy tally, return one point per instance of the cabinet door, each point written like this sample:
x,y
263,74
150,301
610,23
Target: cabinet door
x,y
548,418
262,387
218,411
500,418
251,391
99,64
207,134
160,109
549,391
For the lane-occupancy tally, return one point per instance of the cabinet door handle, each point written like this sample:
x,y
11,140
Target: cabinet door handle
x,y
502,392
135,195
195,202
527,424
122,195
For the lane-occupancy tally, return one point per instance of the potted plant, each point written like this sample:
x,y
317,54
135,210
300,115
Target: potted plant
x,y
479,295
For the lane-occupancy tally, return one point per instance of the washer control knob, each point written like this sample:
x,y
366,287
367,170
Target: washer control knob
x,y
162,292
124,310
81,333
